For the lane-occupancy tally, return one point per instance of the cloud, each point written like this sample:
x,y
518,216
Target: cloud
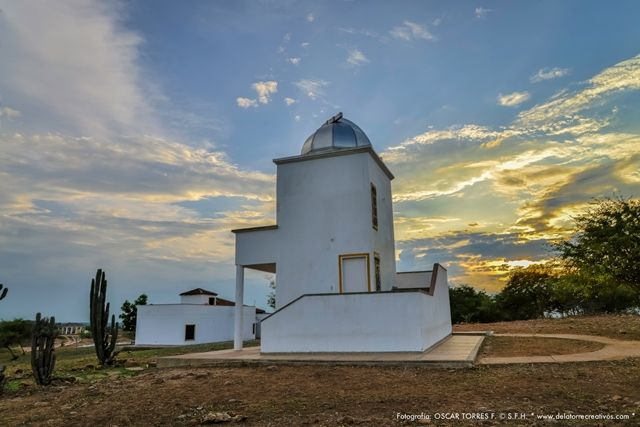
x,y
540,170
74,68
305,44
9,113
410,30
294,61
93,178
310,17
363,32
264,90
620,78
312,88
246,102
481,12
289,101
513,99
357,58
548,74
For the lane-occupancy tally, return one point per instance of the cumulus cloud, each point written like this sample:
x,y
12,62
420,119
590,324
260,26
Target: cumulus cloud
x,y
294,60
481,12
548,74
92,177
410,30
246,102
289,101
513,99
9,113
357,58
312,88
310,17
264,90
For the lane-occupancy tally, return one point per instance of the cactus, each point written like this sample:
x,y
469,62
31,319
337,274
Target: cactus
x,y
3,293
2,379
104,336
43,357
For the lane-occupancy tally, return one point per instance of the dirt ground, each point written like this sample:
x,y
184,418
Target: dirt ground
x,y
340,395
622,327
496,346
324,395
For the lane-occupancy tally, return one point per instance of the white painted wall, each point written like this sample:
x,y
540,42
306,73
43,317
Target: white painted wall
x,y
413,279
164,324
383,240
370,322
323,211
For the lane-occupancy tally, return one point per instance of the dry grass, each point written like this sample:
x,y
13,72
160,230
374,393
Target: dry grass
x,y
623,327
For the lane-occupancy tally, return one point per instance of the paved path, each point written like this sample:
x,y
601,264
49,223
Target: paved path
x,y
454,351
613,350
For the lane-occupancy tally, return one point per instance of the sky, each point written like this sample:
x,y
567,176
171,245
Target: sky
x,y
134,135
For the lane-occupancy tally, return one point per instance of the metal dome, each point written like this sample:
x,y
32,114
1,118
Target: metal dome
x,y
335,134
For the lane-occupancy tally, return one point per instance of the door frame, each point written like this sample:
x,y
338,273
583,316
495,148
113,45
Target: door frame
x,y
364,255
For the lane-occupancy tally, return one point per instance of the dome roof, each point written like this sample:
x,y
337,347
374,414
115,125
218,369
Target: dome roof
x,y
335,134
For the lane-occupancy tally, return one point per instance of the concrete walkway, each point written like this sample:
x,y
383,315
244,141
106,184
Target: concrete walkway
x,y
454,351
613,350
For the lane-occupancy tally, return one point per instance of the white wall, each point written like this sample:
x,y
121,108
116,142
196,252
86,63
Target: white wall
x,y
164,324
369,322
383,240
413,279
306,245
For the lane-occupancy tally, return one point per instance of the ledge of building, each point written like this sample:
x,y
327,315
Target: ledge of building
x,y
250,229
335,153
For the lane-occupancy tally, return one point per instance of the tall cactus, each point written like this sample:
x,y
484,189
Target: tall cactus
x,y
104,336
43,357
3,293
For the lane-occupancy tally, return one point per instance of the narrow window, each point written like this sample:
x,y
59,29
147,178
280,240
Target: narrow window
x,y
376,267
254,329
190,332
374,206
212,301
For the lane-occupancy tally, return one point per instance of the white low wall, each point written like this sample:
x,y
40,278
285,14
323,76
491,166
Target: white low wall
x,y
164,324
413,279
361,322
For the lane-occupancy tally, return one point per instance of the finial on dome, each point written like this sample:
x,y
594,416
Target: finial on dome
x,y
334,119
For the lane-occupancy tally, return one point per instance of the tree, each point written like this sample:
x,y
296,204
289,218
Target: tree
x,y
129,313
3,292
14,332
607,243
271,298
470,305
528,293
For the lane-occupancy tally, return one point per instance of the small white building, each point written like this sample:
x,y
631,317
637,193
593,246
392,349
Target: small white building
x,y
201,317
333,252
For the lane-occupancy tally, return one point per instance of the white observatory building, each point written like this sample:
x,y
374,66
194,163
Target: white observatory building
x,y
333,252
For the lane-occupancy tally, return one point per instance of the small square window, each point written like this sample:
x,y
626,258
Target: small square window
x,y
190,332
